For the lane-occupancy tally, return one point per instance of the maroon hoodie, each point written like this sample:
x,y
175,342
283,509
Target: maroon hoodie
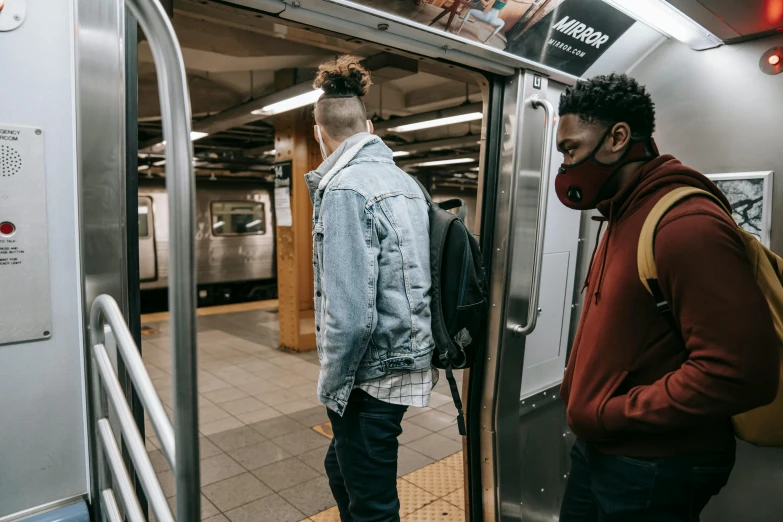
x,y
633,386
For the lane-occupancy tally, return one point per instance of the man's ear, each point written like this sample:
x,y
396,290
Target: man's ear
x,y
621,136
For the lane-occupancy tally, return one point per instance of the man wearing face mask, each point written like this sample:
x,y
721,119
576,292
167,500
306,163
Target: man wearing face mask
x,y
651,405
372,296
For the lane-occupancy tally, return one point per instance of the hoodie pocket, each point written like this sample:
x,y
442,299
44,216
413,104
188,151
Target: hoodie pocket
x,y
619,379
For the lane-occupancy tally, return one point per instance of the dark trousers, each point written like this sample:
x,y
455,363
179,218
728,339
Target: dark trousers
x,y
361,462
610,488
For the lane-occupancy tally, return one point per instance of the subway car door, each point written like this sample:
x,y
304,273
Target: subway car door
x,y
518,439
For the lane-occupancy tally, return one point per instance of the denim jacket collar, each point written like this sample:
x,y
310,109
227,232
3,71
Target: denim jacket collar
x,y
319,178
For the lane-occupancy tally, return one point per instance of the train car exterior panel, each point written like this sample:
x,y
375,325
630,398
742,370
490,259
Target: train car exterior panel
x,y
223,254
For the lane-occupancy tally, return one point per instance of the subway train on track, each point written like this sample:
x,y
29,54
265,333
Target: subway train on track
x,y
464,88
235,242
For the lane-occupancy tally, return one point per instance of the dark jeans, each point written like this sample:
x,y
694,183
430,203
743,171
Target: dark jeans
x,y
361,462
610,488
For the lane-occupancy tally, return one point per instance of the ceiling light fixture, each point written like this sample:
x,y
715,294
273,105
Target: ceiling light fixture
x,y
398,153
439,122
666,19
294,102
453,161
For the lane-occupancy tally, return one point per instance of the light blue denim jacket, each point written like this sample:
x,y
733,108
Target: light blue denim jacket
x,y
371,257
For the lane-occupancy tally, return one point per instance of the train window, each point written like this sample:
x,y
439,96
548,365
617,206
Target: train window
x,y
232,218
144,218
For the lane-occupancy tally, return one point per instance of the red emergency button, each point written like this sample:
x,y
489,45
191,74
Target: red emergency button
x,y
7,229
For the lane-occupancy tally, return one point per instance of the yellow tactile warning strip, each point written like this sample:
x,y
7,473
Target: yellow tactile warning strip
x,y
457,498
325,429
216,310
440,510
148,330
432,493
439,479
455,461
412,498
330,515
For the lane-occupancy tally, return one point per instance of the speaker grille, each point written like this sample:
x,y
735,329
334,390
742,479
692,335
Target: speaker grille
x,y
10,161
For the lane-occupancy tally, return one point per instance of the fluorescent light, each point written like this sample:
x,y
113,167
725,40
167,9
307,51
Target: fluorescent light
x,y
144,167
253,223
219,224
462,118
398,153
270,152
301,100
453,161
144,210
664,18
194,135
159,163
474,169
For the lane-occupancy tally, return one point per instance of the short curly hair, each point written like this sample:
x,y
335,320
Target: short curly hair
x,y
612,99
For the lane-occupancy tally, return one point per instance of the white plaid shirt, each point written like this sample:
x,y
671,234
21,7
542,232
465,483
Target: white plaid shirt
x,y
406,389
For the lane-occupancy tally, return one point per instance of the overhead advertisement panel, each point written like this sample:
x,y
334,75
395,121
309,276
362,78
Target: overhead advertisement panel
x,y
567,35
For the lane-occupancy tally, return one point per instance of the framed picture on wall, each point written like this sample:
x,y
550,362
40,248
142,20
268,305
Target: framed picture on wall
x,y
750,195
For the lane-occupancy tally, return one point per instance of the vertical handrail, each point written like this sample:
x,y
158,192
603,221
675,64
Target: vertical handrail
x,y
543,204
180,185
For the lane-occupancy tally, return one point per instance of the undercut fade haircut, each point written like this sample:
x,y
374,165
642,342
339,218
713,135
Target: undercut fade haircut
x,y
340,110
612,99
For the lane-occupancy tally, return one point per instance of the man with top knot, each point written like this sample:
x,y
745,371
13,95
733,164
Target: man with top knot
x,y
372,296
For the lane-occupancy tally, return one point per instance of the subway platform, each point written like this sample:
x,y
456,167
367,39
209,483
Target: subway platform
x,y
264,434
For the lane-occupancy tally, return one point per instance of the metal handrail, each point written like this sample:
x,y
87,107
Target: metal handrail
x,y
110,508
105,307
543,203
180,185
119,473
107,385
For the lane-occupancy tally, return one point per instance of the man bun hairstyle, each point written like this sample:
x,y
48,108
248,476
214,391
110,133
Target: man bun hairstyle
x,y
612,99
340,109
344,77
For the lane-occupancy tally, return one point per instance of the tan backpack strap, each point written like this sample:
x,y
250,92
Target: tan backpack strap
x,y
645,252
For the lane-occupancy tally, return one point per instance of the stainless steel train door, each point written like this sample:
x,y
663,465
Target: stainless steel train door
x,y
518,439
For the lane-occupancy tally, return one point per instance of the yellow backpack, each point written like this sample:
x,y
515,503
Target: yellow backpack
x,y
762,426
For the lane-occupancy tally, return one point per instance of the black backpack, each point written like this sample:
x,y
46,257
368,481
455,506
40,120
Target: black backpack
x,y
459,293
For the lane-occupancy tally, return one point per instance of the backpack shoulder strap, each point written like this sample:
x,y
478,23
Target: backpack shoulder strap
x,y
423,190
645,252
455,203
648,273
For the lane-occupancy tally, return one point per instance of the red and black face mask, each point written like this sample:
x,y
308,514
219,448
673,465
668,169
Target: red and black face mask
x,y
578,186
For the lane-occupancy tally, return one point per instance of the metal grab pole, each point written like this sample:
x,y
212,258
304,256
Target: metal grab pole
x,y
180,185
543,202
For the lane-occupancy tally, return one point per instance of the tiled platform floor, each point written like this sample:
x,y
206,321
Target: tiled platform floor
x,y
262,461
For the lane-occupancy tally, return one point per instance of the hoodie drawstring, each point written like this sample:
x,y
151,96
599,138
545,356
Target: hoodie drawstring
x,y
601,222
604,253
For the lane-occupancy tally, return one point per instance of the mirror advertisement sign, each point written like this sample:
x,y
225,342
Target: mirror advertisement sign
x,y
567,35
